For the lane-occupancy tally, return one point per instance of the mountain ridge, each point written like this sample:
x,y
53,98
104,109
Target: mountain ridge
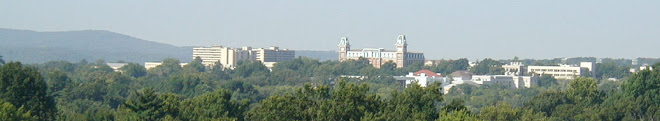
x,y
28,46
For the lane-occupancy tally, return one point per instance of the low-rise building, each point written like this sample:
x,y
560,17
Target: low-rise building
x,y
116,66
427,77
150,65
564,71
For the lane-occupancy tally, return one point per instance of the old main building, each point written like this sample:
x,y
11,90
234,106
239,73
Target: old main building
x,y
380,56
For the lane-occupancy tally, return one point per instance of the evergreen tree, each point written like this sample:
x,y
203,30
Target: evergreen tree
x,y
146,104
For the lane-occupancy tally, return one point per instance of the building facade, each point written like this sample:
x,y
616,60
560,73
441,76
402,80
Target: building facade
x,y
427,77
564,71
150,65
228,57
379,56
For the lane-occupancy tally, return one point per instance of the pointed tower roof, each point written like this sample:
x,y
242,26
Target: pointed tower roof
x,y
401,40
344,42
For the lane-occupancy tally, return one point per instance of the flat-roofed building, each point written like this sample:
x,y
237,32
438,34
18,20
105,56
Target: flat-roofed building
x,y
229,57
270,56
116,66
150,65
564,71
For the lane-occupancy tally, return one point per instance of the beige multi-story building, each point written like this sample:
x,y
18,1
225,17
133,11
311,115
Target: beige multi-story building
x,y
228,57
380,56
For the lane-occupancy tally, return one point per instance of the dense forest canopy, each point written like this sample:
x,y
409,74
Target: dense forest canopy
x,y
309,89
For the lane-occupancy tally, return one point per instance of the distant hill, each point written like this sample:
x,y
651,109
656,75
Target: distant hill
x,y
38,47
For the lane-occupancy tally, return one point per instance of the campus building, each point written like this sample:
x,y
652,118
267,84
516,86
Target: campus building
x,y
426,77
564,71
228,57
150,65
379,56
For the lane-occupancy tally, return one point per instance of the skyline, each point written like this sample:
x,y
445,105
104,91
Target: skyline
x,y
440,29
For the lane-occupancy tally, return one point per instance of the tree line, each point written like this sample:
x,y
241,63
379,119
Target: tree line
x,y
304,89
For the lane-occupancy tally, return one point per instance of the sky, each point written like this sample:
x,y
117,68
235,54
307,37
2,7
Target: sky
x,y
442,29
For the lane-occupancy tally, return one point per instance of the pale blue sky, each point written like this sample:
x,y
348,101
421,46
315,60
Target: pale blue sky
x,y
441,29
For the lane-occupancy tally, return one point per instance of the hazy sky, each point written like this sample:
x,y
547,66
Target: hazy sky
x,y
441,29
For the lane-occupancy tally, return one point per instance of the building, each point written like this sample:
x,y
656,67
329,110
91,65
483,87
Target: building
x,y
564,71
515,68
643,67
273,55
379,56
506,80
116,66
228,57
149,65
424,78
225,55
427,77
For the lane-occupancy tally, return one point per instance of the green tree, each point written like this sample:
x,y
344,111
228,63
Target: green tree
x,y
215,105
643,90
219,72
146,104
584,91
500,112
195,66
414,103
25,87
57,80
458,115
134,70
9,113
388,68
250,68
455,105
611,70
488,66
2,62
169,66
505,112
547,80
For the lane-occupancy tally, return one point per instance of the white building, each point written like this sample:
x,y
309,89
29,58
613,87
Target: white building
x,y
379,56
424,78
506,80
643,67
515,68
228,57
149,65
427,77
564,71
116,66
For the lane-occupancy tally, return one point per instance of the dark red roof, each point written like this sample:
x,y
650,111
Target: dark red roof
x,y
427,72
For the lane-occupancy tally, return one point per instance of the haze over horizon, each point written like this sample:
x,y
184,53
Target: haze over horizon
x,y
440,29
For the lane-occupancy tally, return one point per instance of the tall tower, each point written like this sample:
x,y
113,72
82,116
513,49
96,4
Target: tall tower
x,y
344,47
401,50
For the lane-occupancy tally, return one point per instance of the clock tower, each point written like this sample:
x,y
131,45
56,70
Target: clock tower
x,y
344,47
401,50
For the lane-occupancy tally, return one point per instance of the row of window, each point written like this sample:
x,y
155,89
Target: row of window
x,y
554,70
